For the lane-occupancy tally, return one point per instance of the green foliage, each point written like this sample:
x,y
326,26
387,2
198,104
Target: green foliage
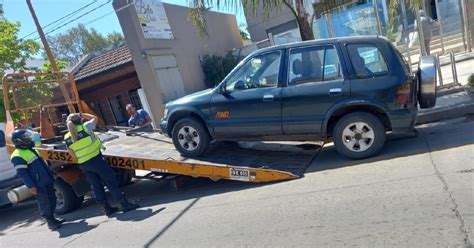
x,y
216,68
199,8
79,41
13,53
470,81
244,35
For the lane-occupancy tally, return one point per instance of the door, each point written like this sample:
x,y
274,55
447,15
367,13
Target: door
x,y
169,77
315,83
250,104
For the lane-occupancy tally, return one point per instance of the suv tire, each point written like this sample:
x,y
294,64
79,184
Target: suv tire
x,y
190,137
359,135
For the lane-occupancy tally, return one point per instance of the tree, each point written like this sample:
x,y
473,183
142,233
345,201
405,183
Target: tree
x,y
79,41
14,53
297,7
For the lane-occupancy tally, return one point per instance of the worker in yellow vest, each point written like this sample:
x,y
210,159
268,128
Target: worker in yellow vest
x,y
86,146
35,174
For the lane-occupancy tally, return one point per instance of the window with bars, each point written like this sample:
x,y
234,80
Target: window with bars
x,y
135,98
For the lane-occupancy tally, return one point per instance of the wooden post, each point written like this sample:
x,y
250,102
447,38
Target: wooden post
x,y
51,59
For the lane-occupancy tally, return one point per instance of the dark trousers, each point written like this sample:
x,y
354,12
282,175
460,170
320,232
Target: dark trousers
x,y
99,173
46,200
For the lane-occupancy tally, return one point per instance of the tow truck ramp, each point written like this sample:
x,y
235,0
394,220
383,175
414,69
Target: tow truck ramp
x,y
225,160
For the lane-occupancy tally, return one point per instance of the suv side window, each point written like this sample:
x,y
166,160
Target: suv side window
x,y
260,71
314,64
367,60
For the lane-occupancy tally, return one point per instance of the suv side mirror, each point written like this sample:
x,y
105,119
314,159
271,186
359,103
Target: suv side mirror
x,y
222,90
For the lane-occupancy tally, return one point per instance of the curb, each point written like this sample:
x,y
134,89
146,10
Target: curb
x,y
450,112
448,90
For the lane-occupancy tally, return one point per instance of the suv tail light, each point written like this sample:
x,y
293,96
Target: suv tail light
x,y
404,95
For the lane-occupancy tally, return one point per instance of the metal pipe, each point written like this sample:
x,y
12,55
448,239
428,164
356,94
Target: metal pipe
x,y
377,18
440,21
408,54
462,27
439,71
19,194
404,14
453,67
466,25
329,25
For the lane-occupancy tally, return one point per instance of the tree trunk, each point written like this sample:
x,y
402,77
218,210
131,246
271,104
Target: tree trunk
x,y
305,28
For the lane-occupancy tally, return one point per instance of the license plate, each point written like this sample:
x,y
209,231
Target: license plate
x,y
239,174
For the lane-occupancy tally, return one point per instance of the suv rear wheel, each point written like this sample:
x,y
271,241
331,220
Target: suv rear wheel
x,y
359,135
190,137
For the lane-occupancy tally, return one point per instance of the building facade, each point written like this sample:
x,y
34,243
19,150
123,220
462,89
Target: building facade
x,y
107,81
167,50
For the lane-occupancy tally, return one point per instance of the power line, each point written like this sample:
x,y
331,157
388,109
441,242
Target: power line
x,y
98,18
73,13
131,3
75,19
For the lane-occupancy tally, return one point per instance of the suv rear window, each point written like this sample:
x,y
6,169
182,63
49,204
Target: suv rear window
x,y
367,61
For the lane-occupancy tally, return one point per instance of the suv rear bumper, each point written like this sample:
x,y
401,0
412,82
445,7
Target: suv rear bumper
x,y
403,120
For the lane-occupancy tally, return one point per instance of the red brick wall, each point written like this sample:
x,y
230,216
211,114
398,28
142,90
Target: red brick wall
x,y
101,94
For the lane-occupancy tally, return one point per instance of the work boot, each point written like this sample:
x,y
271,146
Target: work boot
x,y
57,221
53,224
127,206
109,210
60,220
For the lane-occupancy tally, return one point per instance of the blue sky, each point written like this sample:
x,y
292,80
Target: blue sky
x,y
103,18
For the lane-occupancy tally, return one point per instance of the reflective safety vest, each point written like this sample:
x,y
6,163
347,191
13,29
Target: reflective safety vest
x,y
86,147
26,155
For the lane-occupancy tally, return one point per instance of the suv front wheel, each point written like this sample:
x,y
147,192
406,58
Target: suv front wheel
x,y
190,137
359,135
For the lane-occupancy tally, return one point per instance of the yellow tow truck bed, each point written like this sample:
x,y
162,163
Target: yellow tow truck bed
x,y
155,152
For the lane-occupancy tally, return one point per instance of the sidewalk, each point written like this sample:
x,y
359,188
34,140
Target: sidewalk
x,y
464,67
447,107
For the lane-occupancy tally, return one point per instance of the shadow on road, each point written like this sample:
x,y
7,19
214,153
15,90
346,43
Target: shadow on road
x,y
432,137
151,194
74,228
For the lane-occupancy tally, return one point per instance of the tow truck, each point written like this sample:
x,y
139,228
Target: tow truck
x,y
41,100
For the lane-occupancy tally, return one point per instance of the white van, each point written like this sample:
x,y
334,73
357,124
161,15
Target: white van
x,y
8,179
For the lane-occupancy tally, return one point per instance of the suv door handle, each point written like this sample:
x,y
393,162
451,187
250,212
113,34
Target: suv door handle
x,y
268,98
335,91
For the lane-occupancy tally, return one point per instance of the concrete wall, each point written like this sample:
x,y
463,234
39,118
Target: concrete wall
x,y
187,48
259,25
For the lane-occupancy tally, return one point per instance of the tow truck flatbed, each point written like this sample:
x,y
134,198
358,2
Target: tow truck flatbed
x,y
155,152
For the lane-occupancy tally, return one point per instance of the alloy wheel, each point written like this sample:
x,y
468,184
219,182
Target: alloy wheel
x,y
358,136
188,138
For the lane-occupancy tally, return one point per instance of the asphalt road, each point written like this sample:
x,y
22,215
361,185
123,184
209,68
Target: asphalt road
x,y
417,193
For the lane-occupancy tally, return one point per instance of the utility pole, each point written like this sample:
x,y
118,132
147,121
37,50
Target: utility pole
x,y
51,59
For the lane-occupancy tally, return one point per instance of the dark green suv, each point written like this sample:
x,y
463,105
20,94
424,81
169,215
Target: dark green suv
x,y
350,90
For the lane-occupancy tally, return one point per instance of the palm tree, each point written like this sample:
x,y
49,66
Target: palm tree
x,y
297,8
